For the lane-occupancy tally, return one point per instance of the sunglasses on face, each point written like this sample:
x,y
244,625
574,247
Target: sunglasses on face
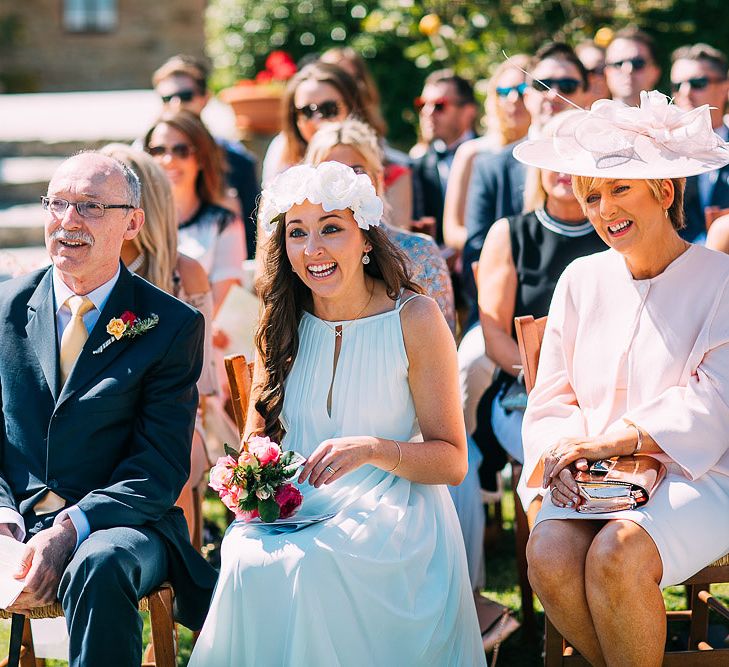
x,y
438,105
86,209
636,64
566,86
505,91
181,151
325,110
182,95
697,83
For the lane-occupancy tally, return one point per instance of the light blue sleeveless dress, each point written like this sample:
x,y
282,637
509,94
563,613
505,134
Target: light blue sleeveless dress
x,y
384,582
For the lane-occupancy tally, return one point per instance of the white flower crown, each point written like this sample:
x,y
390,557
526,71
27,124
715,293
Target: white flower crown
x,y
333,185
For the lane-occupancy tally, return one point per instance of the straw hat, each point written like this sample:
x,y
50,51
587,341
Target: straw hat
x,y
613,140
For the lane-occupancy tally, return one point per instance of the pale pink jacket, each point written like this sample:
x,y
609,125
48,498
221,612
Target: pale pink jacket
x,y
651,352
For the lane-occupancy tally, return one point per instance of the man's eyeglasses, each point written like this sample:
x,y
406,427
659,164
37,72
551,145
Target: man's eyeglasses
x,y
326,110
86,209
566,86
182,95
697,83
440,104
505,91
181,151
636,64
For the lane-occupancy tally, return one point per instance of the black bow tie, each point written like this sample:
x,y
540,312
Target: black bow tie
x,y
441,150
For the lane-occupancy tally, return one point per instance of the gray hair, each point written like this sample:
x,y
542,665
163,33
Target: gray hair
x,y
134,185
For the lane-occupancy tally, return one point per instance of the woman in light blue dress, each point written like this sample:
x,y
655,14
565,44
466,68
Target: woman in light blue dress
x,y
356,371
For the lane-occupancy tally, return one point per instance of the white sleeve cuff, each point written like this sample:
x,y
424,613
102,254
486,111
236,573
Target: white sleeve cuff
x,y
79,521
15,521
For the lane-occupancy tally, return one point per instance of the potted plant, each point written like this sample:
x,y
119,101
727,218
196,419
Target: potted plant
x,y
257,102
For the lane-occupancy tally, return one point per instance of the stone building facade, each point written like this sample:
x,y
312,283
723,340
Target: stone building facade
x,y
66,45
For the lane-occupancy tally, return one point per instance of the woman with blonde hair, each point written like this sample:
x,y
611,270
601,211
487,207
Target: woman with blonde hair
x,y
153,255
507,121
634,363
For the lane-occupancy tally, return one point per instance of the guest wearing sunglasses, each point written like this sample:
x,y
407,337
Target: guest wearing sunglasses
x,y
699,77
557,80
593,58
317,93
631,65
207,231
181,83
506,121
447,113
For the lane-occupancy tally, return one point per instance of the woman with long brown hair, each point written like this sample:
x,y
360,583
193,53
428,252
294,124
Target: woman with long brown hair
x,y
207,231
350,354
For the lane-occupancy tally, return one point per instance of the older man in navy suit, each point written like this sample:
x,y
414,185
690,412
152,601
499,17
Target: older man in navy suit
x,y
96,423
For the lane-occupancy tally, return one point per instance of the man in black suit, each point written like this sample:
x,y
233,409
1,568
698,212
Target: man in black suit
x,y
182,83
698,77
96,430
447,112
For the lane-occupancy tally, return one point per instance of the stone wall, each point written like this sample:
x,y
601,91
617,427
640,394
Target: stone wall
x,y
38,54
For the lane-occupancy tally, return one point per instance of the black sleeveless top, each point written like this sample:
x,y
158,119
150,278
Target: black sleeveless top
x,y
541,248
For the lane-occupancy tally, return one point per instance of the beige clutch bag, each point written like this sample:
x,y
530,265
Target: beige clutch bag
x,y
622,483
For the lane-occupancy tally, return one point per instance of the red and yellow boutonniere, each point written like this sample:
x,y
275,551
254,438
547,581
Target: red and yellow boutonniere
x,y
127,325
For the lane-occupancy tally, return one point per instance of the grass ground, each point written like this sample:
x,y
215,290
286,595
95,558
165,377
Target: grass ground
x,y
501,585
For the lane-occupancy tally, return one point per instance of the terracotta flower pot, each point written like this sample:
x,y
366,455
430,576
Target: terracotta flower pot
x,y
257,108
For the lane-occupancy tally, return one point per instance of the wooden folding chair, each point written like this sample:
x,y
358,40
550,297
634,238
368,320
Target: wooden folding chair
x,y
158,603
240,379
557,651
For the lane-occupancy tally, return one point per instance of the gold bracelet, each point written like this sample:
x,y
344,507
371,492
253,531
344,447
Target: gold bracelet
x,y
639,445
399,456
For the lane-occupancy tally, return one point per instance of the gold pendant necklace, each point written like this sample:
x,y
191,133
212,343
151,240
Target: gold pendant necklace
x,y
339,328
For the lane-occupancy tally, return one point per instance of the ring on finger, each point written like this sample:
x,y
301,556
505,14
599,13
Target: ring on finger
x,y
330,469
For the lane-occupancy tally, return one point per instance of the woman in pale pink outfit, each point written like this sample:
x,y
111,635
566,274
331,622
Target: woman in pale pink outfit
x,y
635,360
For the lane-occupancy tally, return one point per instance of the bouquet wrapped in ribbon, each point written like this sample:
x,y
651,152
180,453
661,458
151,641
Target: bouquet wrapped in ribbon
x,y
254,483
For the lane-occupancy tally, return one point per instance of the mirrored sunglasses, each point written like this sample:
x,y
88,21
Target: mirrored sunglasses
x,y
181,151
182,95
696,83
565,86
636,64
86,209
505,91
326,110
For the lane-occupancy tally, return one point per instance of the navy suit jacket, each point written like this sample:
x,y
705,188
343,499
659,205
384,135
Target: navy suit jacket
x,y
495,191
428,195
241,175
115,439
695,219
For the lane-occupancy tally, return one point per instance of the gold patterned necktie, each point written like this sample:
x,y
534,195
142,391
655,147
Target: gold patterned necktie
x,y
75,334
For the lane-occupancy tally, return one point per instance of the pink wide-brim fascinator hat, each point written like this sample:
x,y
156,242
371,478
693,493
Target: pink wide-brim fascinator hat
x,y
613,140
333,185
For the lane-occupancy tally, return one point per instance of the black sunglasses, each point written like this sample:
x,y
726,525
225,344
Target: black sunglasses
x,y
182,95
636,64
697,83
505,91
182,151
325,110
566,86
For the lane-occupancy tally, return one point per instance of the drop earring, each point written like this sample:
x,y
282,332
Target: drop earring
x,y
365,259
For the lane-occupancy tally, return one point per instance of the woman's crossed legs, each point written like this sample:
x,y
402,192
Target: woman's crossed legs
x,y
599,584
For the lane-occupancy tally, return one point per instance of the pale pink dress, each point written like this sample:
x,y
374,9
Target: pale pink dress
x,y
655,353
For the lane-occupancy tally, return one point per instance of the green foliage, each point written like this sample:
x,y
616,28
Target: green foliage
x,y
470,39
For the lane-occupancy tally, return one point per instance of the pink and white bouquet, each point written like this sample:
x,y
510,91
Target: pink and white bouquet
x,y
254,483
